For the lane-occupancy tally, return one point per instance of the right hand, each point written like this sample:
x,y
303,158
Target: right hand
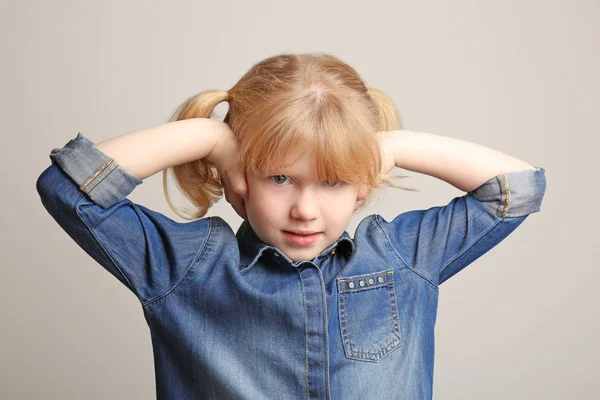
x,y
225,158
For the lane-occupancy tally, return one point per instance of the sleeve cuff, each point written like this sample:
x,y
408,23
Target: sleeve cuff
x,y
513,194
97,175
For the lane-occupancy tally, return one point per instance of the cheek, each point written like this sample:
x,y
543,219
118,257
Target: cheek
x,y
343,206
263,204
262,199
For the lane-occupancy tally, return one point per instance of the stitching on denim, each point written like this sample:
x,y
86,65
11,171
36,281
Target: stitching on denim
x,y
395,311
305,333
57,153
200,254
478,238
384,351
350,351
101,172
101,178
399,256
506,194
364,276
360,289
376,357
326,338
254,261
343,317
104,248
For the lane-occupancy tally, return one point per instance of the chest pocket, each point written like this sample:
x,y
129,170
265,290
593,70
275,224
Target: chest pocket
x,y
368,313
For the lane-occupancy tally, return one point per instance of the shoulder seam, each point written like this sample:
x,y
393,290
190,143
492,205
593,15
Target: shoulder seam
x,y
99,243
470,245
376,218
189,268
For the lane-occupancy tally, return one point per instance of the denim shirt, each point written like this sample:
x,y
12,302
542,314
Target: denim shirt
x,y
231,317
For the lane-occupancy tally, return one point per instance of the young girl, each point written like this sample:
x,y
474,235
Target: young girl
x,y
290,306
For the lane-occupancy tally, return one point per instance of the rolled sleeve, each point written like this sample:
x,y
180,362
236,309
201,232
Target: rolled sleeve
x,y
439,242
97,175
143,248
513,194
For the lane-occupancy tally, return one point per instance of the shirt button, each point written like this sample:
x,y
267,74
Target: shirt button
x,y
362,283
380,279
351,285
333,251
276,254
371,281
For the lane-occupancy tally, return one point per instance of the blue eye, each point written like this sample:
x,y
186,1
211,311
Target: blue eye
x,y
337,184
275,179
277,176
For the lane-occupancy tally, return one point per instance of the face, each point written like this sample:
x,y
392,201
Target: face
x,y
292,200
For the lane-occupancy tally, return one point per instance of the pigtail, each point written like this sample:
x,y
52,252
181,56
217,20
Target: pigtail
x,y
198,180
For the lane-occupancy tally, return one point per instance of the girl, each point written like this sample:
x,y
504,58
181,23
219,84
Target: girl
x,y
290,306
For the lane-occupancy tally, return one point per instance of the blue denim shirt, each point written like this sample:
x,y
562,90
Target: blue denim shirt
x,y
231,317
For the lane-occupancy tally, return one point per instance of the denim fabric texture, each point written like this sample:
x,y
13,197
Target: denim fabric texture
x,y
231,317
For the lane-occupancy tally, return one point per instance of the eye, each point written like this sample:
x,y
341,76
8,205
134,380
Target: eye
x,y
337,184
277,177
280,179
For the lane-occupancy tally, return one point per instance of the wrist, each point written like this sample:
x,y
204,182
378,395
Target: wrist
x,y
221,138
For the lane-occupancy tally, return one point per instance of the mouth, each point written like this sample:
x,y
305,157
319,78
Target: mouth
x,y
303,233
302,239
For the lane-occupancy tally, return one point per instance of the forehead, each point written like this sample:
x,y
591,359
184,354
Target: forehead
x,y
300,165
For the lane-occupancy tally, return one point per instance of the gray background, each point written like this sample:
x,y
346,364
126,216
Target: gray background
x,y
518,76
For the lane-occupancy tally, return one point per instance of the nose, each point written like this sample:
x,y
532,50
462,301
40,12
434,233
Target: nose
x,y
305,205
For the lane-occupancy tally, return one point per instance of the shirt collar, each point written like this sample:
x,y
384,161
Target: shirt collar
x,y
252,248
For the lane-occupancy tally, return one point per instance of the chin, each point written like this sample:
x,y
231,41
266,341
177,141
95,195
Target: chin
x,y
306,255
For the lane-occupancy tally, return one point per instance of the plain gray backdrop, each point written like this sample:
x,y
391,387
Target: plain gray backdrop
x,y
520,76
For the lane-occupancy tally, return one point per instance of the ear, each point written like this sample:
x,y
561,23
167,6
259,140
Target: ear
x,y
363,191
247,194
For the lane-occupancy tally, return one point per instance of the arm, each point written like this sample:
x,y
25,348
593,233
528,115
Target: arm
x,y
85,191
464,165
148,151
438,242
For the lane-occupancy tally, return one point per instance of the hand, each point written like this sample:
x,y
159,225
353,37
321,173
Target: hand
x,y
387,150
225,158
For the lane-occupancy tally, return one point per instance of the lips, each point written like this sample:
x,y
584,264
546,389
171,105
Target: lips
x,y
303,232
302,239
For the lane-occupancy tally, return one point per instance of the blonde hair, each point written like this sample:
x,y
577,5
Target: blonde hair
x,y
289,102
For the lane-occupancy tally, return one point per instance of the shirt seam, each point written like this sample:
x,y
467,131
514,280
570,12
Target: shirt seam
x,y
199,254
506,195
305,335
474,242
110,257
375,217
98,176
326,331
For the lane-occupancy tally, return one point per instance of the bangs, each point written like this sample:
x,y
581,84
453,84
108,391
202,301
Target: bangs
x,y
338,134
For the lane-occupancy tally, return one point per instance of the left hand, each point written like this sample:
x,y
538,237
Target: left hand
x,y
387,146
224,156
